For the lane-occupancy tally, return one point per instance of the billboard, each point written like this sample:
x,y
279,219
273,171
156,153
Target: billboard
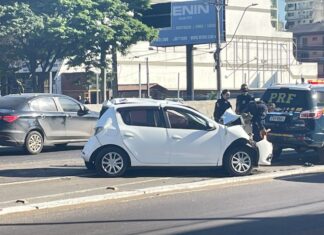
x,y
192,22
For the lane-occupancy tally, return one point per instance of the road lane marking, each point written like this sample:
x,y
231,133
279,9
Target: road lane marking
x,y
44,180
87,190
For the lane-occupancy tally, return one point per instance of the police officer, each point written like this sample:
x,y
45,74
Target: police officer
x,y
243,100
222,105
258,110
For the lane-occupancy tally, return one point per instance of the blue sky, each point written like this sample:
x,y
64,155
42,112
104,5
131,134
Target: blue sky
x,y
282,10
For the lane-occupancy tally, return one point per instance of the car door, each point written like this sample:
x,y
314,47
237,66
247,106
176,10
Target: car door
x,y
79,123
190,141
48,117
144,134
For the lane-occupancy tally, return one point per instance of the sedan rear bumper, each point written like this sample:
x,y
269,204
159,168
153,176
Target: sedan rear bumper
x,y
12,138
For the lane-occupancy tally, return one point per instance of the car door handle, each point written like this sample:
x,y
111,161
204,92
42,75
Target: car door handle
x,y
176,137
129,135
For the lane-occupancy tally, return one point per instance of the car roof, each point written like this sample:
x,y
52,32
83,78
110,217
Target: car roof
x,y
134,102
33,95
305,86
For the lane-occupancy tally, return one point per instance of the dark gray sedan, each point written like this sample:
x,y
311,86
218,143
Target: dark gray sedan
x,y
34,120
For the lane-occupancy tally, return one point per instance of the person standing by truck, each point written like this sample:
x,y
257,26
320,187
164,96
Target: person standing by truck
x,y
222,105
243,100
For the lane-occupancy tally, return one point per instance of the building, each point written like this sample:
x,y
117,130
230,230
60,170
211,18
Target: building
x,y
303,12
310,44
256,54
274,14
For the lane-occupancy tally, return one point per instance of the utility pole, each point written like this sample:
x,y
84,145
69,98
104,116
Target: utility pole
x,y
148,78
219,4
139,81
97,88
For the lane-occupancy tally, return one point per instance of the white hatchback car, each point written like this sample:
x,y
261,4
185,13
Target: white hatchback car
x,y
137,132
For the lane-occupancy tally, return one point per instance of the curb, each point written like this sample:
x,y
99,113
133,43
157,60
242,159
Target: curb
x,y
158,189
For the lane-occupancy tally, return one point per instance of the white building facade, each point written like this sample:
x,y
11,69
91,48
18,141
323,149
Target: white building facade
x,y
258,55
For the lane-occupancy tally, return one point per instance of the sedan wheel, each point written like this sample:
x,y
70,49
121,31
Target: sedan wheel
x,y
239,161
111,162
34,142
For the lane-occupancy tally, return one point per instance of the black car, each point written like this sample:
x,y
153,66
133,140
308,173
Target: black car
x,y
298,119
34,120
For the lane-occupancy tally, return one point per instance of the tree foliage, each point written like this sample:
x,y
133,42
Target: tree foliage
x,y
40,32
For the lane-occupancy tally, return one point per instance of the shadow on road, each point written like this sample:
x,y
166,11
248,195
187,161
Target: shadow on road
x,y
43,172
61,171
316,178
294,225
16,151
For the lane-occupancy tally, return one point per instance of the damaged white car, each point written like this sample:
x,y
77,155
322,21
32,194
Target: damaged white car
x,y
137,132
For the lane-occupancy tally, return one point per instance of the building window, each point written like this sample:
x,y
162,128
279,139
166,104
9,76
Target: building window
x,y
314,38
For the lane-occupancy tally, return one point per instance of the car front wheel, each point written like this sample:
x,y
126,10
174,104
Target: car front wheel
x,y
111,162
239,161
34,142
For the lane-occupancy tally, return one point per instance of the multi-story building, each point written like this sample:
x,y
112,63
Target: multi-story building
x,y
274,14
255,53
303,12
310,44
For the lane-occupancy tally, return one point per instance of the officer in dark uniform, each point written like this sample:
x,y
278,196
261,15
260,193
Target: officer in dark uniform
x,y
222,105
258,110
243,100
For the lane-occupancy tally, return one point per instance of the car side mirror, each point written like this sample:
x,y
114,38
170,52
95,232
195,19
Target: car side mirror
x,y
211,126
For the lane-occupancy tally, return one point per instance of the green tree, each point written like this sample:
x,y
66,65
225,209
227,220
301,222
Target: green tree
x,y
17,21
111,27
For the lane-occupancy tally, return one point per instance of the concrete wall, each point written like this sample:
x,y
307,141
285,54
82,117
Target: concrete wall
x,y
205,107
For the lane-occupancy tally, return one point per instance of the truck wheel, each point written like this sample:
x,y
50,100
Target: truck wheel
x,y
320,155
276,152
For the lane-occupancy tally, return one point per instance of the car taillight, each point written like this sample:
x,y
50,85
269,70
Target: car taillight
x,y
9,118
315,114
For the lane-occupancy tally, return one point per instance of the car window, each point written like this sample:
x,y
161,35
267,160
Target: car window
x,y
141,117
44,104
69,105
182,119
12,103
319,98
289,100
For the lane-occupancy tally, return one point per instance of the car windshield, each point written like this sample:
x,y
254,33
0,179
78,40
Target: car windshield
x,y
289,100
11,102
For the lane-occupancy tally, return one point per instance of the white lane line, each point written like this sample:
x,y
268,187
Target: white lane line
x,y
44,180
87,190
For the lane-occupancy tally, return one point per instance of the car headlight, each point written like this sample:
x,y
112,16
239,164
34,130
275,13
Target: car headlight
x,y
98,130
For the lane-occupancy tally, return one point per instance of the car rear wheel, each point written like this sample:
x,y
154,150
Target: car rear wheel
x,y
34,142
320,155
111,162
239,161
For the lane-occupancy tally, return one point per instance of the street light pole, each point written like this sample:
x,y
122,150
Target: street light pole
x,y
218,7
219,4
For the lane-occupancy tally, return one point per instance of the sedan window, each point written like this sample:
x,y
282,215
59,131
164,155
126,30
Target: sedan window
x,y
69,105
182,119
141,117
44,104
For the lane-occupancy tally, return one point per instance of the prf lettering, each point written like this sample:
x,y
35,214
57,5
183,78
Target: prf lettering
x,y
283,98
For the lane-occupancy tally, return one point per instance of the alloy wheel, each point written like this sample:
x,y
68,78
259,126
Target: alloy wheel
x,y
112,163
241,162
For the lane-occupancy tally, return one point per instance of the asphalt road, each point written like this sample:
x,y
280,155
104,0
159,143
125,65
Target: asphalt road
x,y
58,174
291,205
